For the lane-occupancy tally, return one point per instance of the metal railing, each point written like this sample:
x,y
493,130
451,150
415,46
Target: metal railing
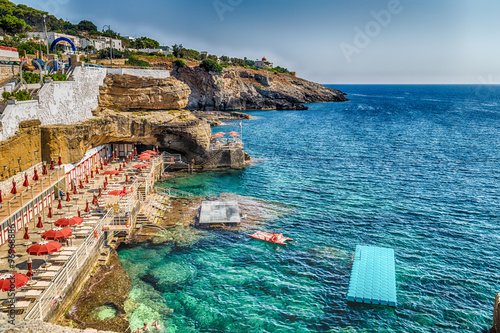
x,y
54,293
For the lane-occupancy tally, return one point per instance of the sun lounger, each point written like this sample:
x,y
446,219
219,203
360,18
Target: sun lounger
x,y
40,285
29,294
46,275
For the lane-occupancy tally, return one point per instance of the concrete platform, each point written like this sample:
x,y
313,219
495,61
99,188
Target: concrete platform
x,y
373,276
219,212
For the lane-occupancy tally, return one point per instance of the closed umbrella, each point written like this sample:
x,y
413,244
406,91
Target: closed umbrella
x,y
94,200
79,213
44,169
39,224
75,189
87,179
91,173
35,175
26,234
81,184
52,165
14,189
126,178
1,200
67,196
30,268
49,215
87,209
26,182
135,151
7,279
120,169
59,205
100,192
57,233
59,162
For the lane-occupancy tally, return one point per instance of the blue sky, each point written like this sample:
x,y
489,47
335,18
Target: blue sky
x,y
328,41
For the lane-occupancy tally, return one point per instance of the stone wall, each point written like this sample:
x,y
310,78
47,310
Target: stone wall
x,y
156,73
7,72
59,102
20,152
234,158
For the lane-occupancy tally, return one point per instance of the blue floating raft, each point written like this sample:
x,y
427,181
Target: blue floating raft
x,y
373,276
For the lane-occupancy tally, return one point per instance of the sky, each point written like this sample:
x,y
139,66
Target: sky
x,y
327,41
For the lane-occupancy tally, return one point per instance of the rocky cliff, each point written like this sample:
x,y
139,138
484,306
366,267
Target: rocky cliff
x,y
128,92
174,131
238,88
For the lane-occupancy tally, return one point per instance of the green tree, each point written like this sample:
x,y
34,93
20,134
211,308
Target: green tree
x,y
85,25
179,63
144,43
25,48
211,66
176,49
12,24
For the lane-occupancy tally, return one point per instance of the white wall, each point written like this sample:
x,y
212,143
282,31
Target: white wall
x,y
10,55
156,73
63,102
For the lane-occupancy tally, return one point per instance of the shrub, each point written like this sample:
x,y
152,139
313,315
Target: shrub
x,y
137,62
179,63
31,77
58,77
20,95
5,95
211,65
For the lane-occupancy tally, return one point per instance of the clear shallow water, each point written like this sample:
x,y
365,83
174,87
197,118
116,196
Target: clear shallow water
x,y
415,168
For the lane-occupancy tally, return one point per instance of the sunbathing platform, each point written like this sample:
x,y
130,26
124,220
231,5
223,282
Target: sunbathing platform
x,y
373,276
219,212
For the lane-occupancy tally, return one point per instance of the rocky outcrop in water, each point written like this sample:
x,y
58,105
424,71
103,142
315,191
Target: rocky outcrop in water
x,y
238,88
128,92
109,286
174,131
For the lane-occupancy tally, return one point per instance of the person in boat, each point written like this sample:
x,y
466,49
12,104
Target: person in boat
x,y
274,237
156,325
145,328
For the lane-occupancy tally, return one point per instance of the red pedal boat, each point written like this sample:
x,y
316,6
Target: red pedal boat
x,y
271,238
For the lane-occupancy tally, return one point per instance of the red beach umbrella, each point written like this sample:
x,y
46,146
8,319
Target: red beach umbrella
x,y
6,281
35,175
14,189
64,222
44,169
49,215
26,234
59,162
30,268
57,233
149,152
52,165
45,247
39,224
110,172
26,183
87,209
59,206
141,165
145,157
234,135
67,196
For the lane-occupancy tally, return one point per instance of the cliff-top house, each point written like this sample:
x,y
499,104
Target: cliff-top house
x,y
263,63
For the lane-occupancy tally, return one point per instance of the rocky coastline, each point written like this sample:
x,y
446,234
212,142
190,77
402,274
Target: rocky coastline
x,y
238,88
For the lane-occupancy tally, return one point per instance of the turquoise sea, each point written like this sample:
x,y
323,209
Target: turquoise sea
x,y
415,168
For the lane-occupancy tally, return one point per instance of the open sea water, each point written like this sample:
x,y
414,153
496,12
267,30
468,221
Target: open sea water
x,y
414,168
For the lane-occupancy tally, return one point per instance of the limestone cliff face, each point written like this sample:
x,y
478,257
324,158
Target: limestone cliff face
x,y
247,89
127,92
175,131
